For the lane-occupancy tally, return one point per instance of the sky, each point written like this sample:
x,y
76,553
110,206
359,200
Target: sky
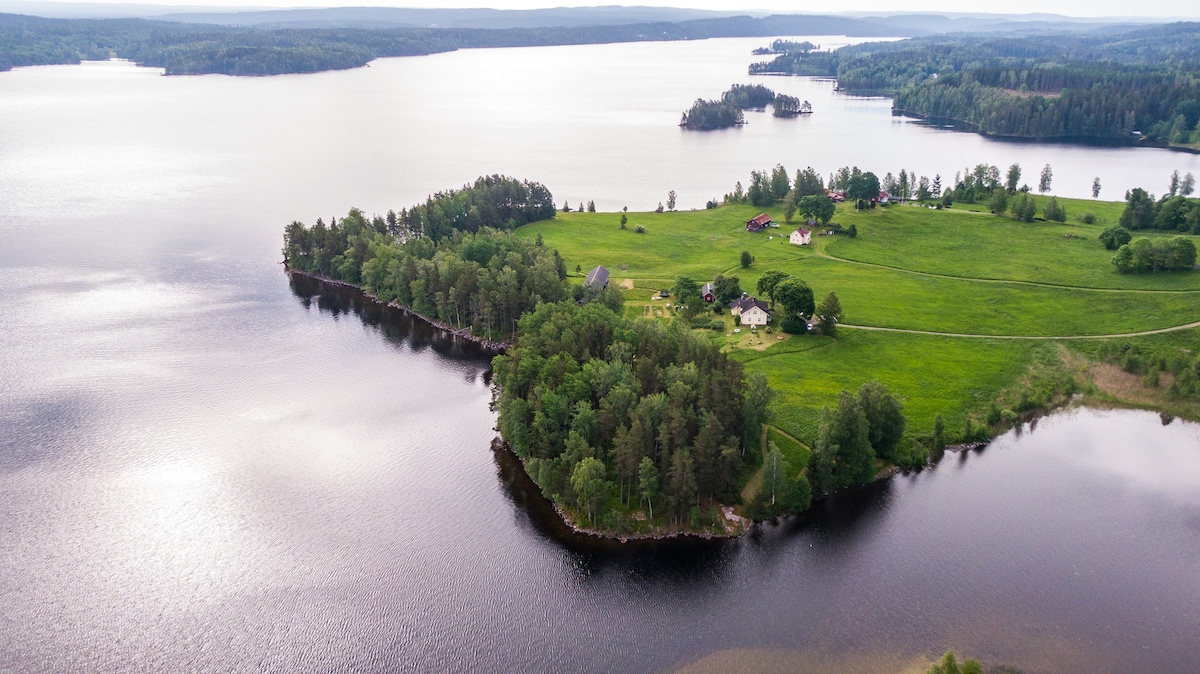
x,y
1090,8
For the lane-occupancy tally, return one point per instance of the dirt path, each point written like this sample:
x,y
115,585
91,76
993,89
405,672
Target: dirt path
x,y
1186,326
756,480
820,250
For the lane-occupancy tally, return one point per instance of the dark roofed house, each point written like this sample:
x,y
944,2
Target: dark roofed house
x,y
759,222
597,279
750,310
707,293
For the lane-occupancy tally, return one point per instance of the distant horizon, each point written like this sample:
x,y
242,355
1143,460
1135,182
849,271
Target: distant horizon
x,y
1105,10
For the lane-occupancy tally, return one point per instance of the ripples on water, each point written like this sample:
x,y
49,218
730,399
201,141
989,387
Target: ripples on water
x,y
203,468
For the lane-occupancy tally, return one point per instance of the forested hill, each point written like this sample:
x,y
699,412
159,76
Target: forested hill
x,y
187,49
1126,84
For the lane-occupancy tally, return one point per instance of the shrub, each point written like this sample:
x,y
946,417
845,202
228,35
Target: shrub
x,y
1115,237
1088,218
794,325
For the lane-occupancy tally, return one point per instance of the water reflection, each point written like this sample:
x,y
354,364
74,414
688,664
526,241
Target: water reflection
x,y
397,327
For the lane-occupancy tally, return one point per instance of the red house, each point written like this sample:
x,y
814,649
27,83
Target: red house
x,y
759,222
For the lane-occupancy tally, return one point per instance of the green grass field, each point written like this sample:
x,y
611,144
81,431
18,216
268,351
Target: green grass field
x,y
913,268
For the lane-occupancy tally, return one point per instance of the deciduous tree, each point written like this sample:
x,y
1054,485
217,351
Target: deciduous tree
x,y
830,313
1045,178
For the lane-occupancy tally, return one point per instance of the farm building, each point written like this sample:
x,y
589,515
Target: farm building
x,y
597,279
707,293
759,223
801,237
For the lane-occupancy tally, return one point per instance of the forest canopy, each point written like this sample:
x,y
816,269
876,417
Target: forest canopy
x,y
616,417
190,49
447,259
1129,85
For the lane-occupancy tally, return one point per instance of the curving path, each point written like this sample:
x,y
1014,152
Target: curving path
x,y
1159,331
821,252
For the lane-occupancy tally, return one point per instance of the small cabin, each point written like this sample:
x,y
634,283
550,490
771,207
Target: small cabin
x,y
597,279
707,293
759,223
801,237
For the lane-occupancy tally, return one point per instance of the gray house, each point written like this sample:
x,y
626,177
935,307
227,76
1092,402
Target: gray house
x,y
597,279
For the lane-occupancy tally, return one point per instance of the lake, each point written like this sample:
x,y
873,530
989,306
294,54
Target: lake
x,y
205,467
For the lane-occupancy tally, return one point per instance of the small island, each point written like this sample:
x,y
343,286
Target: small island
x,y
790,106
705,115
727,111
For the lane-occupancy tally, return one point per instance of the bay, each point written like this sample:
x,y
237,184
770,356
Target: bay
x,y
206,468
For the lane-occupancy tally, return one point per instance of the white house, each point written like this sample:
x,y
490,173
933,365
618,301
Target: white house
x,y
756,315
801,237
750,310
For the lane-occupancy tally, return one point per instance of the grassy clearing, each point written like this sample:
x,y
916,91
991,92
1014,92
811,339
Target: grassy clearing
x,y
936,271
931,375
897,299
982,245
791,448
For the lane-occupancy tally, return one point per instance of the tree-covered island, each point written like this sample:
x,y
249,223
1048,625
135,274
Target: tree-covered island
x,y
727,111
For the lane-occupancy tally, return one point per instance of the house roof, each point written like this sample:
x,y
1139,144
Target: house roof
x,y
760,220
747,303
597,277
706,289
803,231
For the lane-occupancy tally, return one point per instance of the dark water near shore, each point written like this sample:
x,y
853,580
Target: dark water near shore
x,y
204,467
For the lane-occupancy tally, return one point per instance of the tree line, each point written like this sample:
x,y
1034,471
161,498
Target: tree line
x,y
807,194
1174,212
183,49
470,275
492,201
1142,83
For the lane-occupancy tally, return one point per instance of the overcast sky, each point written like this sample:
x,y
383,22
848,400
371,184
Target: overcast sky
x,y
1091,8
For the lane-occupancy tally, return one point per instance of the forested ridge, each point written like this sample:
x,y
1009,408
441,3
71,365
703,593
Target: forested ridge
x,y
1128,85
188,49
449,259
623,421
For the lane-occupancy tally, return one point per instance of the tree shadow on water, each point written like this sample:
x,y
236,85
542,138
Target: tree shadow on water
x,y
690,561
398,327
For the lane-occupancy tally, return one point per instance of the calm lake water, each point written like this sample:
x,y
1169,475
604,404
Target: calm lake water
x,y
204,467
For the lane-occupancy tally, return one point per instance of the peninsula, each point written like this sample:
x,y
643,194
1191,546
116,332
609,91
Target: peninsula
x,y
643,407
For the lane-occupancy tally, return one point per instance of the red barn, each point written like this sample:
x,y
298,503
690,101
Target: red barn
x,y
758,223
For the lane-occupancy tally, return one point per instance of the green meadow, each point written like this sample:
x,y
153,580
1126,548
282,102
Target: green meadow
x,y
958,271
